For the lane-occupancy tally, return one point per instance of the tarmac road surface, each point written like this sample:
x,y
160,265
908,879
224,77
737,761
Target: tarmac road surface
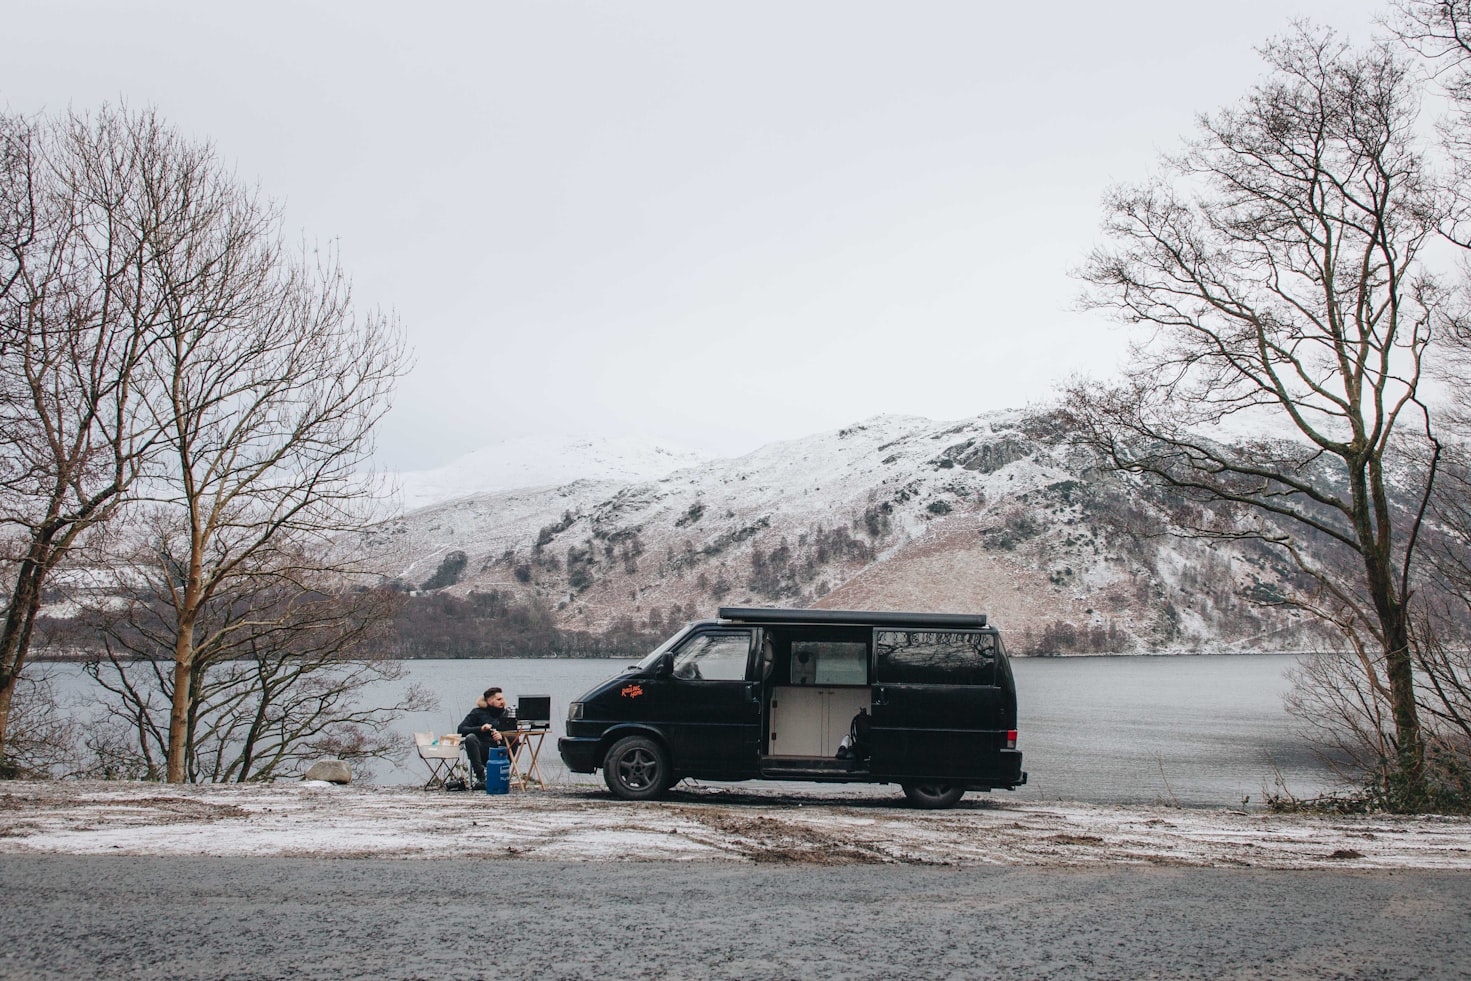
x,y
147,917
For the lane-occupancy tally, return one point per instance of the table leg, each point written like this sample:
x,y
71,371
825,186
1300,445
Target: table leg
x,y
513,753
534,770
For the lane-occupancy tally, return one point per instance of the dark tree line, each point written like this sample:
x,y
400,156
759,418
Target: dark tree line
x,y
497,624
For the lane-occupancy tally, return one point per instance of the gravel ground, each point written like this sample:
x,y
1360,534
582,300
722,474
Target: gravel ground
x,y
156,917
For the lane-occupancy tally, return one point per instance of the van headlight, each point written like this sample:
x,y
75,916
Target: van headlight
x,y
574,711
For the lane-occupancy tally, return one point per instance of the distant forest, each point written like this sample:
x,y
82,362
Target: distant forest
x,y
496,624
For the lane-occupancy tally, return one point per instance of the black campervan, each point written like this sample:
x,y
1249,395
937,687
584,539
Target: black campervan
x,y
923,700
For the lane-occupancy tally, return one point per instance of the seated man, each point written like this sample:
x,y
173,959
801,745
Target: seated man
x,y
483,728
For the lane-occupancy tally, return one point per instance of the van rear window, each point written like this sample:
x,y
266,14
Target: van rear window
x,y
935,657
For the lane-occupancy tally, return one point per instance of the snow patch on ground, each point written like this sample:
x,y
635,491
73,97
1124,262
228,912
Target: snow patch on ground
x,y
735,824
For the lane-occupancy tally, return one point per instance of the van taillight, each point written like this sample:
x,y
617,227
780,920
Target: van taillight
x,y
1011,739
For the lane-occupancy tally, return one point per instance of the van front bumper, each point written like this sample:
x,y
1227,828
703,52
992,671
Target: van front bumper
x,y
580,755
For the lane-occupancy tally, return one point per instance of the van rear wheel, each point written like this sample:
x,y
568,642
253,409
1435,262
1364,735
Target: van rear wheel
x,y
933,796
636,768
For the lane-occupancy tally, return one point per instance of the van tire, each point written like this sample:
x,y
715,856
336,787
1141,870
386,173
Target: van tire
x,y
636,768
933,796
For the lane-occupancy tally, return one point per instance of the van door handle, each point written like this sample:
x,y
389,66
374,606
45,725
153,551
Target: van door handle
x,y
880,697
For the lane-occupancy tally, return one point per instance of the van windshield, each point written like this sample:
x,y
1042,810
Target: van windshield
x,y
653,657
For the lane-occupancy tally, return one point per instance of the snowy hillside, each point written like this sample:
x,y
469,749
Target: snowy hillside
x,y
531,462
994,514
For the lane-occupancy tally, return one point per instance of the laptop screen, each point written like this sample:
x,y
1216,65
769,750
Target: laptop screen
x,y
534,709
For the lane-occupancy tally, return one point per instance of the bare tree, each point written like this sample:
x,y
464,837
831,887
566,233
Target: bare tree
x,y
162,343
263,386
1275,271
73,328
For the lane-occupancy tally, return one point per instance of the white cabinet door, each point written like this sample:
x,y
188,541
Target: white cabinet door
x,y
813,721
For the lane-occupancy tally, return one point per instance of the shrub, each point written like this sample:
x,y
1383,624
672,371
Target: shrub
x,y
448,573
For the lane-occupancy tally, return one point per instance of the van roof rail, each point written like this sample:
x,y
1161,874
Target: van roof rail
x,y
758,614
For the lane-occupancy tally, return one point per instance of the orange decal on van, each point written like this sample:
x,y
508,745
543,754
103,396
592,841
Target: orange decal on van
x,y
633,691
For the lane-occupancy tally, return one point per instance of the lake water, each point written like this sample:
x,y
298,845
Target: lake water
x,y
1205,731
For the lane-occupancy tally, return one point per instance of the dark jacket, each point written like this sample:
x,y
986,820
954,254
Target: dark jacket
x,y
483,714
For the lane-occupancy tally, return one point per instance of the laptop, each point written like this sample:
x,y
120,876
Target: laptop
x,y
534,710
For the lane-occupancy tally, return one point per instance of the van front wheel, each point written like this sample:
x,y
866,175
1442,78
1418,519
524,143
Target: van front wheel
x,y
933,796
636,768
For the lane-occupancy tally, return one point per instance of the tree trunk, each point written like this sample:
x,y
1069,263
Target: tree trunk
x,y
20,619
7,692
1370,502
1409,761
1411,756
179,712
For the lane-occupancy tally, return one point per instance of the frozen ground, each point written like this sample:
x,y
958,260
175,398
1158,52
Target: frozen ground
x,y
299,819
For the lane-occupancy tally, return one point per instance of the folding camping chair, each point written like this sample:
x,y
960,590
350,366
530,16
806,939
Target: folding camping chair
x,y
441,754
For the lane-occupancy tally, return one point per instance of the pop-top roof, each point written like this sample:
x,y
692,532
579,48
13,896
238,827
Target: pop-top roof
x,y
745,614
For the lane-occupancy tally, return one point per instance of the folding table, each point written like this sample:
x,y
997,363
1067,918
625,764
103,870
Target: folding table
x,y
524,768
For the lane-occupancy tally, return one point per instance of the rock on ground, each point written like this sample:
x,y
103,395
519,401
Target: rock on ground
x,y
331,771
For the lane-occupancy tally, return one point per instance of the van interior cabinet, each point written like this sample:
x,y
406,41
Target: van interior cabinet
x,y
811,722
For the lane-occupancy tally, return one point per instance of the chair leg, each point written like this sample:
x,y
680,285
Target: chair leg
x,y
437,774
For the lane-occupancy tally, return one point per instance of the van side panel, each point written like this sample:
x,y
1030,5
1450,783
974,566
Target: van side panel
x,y
952,731
943,702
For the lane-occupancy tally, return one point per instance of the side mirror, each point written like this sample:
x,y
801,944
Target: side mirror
x,y
665,667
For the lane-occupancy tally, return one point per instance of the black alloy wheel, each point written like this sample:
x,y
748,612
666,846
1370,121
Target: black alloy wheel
x,y
636,768
933,796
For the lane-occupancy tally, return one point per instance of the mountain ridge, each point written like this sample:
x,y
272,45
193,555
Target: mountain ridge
x,y
995,514
539,461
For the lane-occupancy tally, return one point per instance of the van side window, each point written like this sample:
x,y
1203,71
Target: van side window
x,y
935,657
713,657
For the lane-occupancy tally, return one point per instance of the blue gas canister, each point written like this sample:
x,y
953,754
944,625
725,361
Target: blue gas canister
x,y
498,771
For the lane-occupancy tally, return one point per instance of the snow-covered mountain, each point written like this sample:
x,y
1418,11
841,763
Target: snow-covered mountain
x,y
530,462
994,514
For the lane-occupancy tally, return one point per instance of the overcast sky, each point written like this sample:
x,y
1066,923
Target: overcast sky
x,y
715,224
